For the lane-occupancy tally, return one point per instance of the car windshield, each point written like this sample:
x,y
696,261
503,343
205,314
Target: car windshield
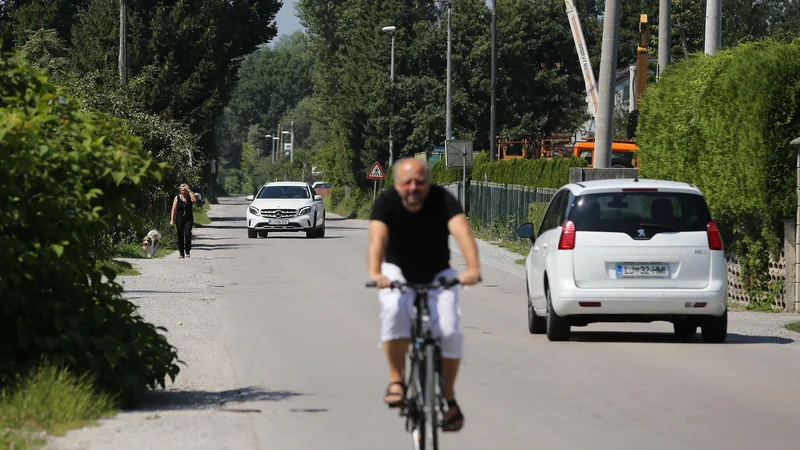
x,y
283,192
628,212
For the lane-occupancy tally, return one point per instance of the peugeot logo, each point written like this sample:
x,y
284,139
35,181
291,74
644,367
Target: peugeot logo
x,y
641,232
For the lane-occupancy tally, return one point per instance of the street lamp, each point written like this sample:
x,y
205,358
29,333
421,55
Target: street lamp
x,y
267,137
275,140
391,29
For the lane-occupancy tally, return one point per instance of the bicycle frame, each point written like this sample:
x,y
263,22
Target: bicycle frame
x,y
424,401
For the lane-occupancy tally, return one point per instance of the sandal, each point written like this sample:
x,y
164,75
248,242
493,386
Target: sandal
x,y
389,393
456,422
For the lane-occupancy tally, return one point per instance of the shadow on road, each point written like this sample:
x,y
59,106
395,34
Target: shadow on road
x,y
334,227
671,338
175,400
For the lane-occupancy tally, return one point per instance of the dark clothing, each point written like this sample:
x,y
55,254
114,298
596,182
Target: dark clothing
x,y
184,235
184,209
418,242
184,221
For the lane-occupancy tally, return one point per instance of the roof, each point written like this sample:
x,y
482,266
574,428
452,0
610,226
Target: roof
x,y
585,187
286,183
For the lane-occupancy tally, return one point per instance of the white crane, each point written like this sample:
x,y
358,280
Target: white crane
x,y
583,56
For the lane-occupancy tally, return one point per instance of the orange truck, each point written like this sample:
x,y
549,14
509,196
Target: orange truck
x,y
623,152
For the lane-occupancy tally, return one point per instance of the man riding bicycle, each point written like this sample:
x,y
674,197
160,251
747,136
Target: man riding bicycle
x,y
409,241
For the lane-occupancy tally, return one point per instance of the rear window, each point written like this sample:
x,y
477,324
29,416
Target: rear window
x,y
629,212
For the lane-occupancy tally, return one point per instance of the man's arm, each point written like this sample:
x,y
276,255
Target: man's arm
x,y
378,237
460,229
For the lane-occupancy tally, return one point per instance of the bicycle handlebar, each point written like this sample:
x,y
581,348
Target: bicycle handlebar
x,y
443,282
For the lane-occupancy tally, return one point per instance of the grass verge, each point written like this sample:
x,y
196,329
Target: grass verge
x,y
50,401
794,326
201,214
122,268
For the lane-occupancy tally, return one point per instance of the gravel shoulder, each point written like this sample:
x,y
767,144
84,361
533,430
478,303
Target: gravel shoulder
x,y
194,411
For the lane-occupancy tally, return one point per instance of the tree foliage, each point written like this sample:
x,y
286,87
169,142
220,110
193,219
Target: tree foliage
x,y
58,161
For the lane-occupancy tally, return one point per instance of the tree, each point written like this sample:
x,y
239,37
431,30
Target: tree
x,y
183,56
271,81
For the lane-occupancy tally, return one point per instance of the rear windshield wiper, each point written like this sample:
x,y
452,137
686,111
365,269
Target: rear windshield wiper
x,y
658,225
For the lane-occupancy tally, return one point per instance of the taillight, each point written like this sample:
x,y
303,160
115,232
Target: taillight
x,y
714,237
567,240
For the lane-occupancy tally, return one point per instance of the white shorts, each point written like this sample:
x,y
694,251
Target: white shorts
x,y
397,311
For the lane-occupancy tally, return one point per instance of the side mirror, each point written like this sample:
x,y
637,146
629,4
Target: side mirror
x,y
250,198
526,231
317,197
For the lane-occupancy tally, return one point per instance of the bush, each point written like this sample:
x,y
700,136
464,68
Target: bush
x,y
536,212
544,173
724,123
59,164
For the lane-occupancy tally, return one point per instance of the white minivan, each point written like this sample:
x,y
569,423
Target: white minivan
x,y
626,250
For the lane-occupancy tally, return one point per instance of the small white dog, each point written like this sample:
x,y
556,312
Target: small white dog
x,y
150,243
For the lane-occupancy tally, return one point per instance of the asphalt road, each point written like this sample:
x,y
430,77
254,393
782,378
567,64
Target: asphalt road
x,y
302,334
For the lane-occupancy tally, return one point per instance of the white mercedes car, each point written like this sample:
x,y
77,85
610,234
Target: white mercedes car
x,y
627,251
286,206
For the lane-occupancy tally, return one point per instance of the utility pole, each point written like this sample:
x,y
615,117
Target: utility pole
x,y
449,132
713,26
608,69
492,124
664,36
123,42
391,29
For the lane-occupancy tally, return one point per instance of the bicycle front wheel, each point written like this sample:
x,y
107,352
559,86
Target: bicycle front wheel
x,y
431,408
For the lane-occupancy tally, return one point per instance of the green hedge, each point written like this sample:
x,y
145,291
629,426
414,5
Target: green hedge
x,y
62,166
724,123
545,173
536,212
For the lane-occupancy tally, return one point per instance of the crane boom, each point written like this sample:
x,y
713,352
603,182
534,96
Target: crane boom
x,y
583,56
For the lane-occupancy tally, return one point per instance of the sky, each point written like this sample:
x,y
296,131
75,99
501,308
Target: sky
x,y
288,22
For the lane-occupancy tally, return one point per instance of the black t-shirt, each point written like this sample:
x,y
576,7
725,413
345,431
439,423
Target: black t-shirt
x,y
418,241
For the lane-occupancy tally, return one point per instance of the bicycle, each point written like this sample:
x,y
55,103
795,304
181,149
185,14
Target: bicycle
x,y
424,403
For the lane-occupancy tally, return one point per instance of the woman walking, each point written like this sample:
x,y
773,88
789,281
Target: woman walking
x,y
183,217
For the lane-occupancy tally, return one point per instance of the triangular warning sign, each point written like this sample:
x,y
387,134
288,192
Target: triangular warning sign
x,y
376,173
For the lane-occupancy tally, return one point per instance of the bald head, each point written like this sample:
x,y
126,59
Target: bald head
x,y
412,181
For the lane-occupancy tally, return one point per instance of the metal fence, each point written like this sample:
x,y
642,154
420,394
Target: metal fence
x,y
455,189
492,203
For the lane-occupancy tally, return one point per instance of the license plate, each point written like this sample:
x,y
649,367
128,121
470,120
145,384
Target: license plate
x,y
278,222
642,271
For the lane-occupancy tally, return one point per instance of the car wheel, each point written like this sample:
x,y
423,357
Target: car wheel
x,y
312,232
263,234
321,230
715,329
558,329
252,234
685,330
536,324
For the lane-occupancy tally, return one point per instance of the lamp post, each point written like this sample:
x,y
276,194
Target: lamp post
x,y
494,83
796,144
449,116
268,137
275,140
391,29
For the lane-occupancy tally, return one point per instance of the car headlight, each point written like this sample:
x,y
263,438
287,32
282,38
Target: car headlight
x,y
303,211
254,211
